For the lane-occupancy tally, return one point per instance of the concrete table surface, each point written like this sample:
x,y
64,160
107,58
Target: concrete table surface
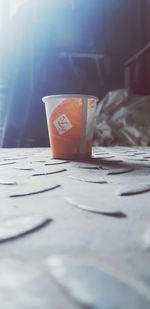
x,y
84,201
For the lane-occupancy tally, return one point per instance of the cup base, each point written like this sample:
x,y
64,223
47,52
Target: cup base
x,y
70,156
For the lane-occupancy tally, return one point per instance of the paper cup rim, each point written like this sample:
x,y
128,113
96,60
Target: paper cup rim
x,y
69,96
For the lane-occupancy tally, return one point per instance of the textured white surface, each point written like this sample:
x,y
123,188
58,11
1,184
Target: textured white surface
x,y
104,241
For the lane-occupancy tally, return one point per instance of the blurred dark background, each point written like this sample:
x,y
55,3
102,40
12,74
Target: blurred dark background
x,y
66,46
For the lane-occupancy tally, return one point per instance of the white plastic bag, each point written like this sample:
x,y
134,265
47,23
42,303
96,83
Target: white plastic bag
x,y
123,118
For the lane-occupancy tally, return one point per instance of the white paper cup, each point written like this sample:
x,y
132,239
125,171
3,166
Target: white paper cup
x,y
70,120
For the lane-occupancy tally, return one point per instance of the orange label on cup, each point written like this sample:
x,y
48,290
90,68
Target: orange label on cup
x,y
65,125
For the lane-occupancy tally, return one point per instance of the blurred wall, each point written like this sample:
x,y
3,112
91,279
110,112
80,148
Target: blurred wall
x,y
117,28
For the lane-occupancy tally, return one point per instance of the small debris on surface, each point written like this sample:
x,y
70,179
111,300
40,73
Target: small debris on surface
x,y
139,160
49,173
88,179
88,167
19,226
109,162
7,182
56,162
103,157
38,161
23,168
102,208
16,158
34,192
133,190
120,171
140,153
6,163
